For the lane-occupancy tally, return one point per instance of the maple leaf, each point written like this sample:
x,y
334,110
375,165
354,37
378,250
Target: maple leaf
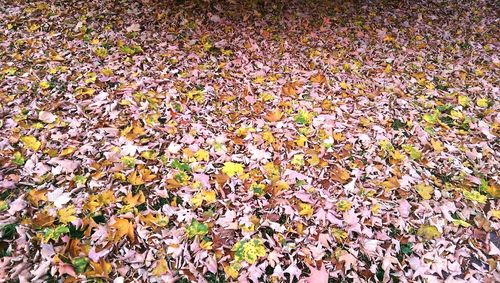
x,y
231,169
160,268
274,115
475,196
318,78
100,269
202,155
249,250
306,209
67,214
493,189
340,174
317,275
36,196
123,227
482,102
55,233
132,200
344,205
18,159
428,232
196,229
289,89
140,177
425,191
31,142
83,91
232,270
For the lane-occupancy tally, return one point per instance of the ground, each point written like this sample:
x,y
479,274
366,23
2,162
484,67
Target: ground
x,y
250,141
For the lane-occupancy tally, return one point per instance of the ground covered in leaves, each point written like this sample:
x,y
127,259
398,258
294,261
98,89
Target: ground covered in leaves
x,y
254,142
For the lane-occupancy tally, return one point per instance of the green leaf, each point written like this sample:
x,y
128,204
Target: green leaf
x,y
398,124
197,229
76,233
475,196
80,264
176,164
8,231
18,159
55,233
414,153
407,248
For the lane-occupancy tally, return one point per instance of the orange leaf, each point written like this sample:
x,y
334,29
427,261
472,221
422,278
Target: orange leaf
x,y
340,175
289,89
123,228
274,115
134,200
318,78
101,269
36,196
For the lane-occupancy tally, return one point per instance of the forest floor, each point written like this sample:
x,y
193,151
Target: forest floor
x,y
261,141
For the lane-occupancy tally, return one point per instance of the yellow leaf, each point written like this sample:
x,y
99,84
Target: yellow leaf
x,y
337,136
140,177
44,85
314,160
107,72
463,100
298,160
209,196
84,91
437,145
123,228
202,154
305,209
428,232
91,78
135,179
388,69
149,155
396,155
301,141
66,215
134,200
231,271
67,151
425,191
268,137
344,205
344,85
31,142
259,80
101,52
460,222
197,200
482,102
495,213
161,268
206,245
231,169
